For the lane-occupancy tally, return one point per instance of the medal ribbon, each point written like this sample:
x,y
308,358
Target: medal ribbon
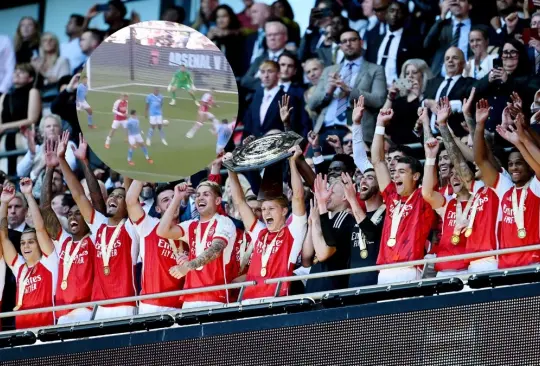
x,y
106,248
396,216
519,215
474,209
25,275
375,220
462,215
267,251
70,258
200,244
245,252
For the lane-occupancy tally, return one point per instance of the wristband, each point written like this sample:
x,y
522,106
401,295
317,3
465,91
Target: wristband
x,y
430,161
379,130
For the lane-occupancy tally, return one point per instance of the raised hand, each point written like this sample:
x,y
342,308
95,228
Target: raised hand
x,y
482,111
51,158
30,135
384,117
62,145
443,111
520,127
348,187
8,192
313,139
314,214
431,147
81,152
296,152
509,134
516,101
334,141
322,193
284,110
507,119
26,186
468,104
358,111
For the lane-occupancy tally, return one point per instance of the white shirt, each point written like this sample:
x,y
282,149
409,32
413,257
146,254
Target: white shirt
x,y
339,55
455,105
390,68
7,63
19,228
484,68
72,52
269,95
463,43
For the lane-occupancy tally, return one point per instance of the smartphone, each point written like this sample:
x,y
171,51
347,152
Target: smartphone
x,y
102,7
497,63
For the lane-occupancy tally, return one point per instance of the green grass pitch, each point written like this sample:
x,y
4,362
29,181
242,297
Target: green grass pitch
x,y
181,158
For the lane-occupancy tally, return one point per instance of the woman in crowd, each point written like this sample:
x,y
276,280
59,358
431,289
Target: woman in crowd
x,y
26,40
481,62
20,108
282,9
227,37
404,98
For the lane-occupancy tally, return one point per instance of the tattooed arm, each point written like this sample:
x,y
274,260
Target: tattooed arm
x,y
210,254
467,112
456,157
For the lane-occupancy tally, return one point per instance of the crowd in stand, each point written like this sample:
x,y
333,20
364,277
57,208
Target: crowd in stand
x,y
366,82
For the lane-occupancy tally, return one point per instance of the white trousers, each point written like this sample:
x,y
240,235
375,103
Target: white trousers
x,y
388,276
76,316
114,312
152,309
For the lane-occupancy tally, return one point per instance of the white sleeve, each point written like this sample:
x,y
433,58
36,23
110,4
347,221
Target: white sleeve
x,y
477,185
225,229
535,186
504,183
115,108
61,239
298,229
24,166
132,231
51,263
442,210
256,230
70,156
318,159
19,262
145,225
359,153
9,65
456,106
184,225
2,276
98,219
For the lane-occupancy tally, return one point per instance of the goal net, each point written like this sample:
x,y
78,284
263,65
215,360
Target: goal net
x,y
149,53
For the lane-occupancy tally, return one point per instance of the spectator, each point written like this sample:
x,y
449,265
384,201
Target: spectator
x,y
20,108
114,17
534,46
71,50
449,32
320,17
378,26
244,17
256,42
396,45
7,63
276,39
507,23
27,40
226,36
203,22
90,40
481,63
283,10
175,14
331,53
405,99
340,84
313,69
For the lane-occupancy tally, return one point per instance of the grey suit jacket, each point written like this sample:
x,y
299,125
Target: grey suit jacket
x,y
370,82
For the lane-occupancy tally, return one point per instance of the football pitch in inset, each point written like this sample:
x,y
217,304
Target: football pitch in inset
x,y
157,101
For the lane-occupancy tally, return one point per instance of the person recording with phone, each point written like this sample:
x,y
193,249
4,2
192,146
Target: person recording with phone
x,y
313,39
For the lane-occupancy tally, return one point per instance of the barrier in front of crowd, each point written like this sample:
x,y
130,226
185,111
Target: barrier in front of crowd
x,y
281,280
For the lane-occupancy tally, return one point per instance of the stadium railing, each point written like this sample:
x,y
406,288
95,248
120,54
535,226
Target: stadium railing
x,y
279,281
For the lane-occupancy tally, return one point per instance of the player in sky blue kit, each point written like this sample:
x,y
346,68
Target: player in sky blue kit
x,y
223,130
135,138
81,103
154,108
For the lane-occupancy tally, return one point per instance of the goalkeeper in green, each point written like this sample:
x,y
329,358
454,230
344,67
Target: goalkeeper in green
x,y
181,80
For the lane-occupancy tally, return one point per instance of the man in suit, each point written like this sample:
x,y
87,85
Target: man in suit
x,y
255,43
276,39
533,49
313,39
449,32
507,23
332,54
263,112
340,85
454,86
396,45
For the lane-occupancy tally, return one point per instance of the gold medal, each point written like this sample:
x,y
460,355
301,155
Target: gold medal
x,y
63,286
522,233
16,308
107,270
263,271
363,254
391,242
468,232
455,239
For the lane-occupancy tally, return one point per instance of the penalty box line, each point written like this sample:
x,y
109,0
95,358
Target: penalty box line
x,y
171,178
170,120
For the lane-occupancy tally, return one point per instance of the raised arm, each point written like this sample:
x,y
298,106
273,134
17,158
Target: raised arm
x,y
359,152
285,112
44,240
239,199
523,142
457,159
298,201
98,202
350,195
308,250
166,228
324,244
377,149
10,253
134,208
431,196
52,224
481,154
467,112
75,187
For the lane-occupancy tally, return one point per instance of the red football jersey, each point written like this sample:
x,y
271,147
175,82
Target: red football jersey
x,y
213,273
157,258
2,278
39,290
509,233
120,281
445,247
120,106
485,226
282,258
233,268
81,274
